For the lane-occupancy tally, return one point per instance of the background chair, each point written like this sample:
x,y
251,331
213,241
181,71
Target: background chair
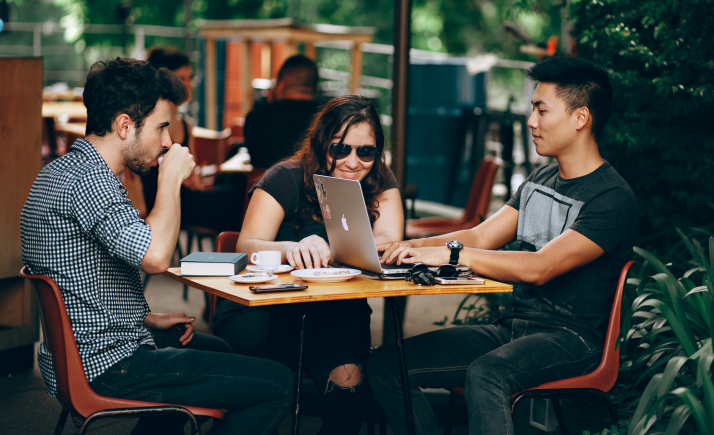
x,y
73,390
592,385
225,242
476,207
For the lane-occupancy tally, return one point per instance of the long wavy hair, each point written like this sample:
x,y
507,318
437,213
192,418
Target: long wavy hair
x,y
347,111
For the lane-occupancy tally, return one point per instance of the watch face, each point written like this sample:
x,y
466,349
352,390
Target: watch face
x,y
455,244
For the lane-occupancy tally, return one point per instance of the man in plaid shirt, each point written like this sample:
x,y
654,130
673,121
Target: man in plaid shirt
x,y
80,229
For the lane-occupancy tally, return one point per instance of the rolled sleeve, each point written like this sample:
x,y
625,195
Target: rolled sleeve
x,y
103,211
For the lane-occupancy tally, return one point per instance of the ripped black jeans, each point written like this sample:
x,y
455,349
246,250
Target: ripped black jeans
x,y
336,333
491,361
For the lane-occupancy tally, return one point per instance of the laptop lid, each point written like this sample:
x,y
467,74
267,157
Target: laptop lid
x,y
347,223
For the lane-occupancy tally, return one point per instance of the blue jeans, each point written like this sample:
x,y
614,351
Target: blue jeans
x,y
491,361
258,394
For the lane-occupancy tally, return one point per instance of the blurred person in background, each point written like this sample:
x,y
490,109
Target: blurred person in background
x,y
273,130
180,127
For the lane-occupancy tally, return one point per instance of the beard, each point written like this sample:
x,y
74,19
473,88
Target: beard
x,y
137,158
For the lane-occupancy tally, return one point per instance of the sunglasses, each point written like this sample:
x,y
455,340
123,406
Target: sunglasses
x,y
420,273
366,153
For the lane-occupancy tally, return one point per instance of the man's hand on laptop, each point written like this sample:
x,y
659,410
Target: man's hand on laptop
x,y
310,252
393,250
178,321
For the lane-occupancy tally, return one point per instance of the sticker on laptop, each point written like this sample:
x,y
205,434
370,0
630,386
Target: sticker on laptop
x,y
327,212
321,191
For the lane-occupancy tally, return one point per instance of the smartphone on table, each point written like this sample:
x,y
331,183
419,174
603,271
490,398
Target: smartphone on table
x,y
276,288
459,281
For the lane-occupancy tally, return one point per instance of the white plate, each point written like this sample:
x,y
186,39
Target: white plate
x,y
325,274
281,269
241,279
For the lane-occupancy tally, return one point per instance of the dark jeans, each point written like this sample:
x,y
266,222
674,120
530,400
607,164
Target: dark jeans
x,y
491,361
256,393
336,333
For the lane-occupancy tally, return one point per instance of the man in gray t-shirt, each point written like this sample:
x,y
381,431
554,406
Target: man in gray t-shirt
x,y
573,222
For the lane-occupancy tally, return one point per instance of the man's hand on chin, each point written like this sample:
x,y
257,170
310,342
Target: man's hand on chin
x,y
178,321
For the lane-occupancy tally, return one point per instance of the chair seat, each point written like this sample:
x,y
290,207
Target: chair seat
x,y
103,403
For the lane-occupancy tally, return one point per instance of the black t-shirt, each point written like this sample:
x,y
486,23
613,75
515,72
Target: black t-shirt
x,y
272,131
602,207
284,182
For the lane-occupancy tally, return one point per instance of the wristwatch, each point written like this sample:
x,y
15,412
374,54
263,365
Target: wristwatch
x,y
455,247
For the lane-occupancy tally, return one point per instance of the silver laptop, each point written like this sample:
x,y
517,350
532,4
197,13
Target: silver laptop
x,y
348,228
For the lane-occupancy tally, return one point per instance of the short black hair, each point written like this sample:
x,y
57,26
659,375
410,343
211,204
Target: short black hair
x,y
168,57
299,71
127,86
581,83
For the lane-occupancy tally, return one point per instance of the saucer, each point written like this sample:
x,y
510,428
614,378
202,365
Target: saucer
x,y
261,277
281,269
325,274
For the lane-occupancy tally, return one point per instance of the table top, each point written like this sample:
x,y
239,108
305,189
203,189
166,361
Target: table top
x,y
358,287
76,128
236,164
70,109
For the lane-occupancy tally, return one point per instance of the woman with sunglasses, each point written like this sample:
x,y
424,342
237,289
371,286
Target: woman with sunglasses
x,y
345,140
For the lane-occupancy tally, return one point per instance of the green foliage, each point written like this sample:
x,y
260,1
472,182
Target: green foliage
x,y
666,349
661,57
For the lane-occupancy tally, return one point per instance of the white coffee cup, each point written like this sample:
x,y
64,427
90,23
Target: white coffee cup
x,y
266,259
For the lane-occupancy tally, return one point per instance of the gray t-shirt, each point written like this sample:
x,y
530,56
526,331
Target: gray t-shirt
x,y
602,207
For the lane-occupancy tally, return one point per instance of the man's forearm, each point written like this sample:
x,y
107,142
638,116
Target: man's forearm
x,y
508,266
467,237
164,220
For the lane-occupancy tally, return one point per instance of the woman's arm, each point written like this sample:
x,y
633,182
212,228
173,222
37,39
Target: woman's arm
x,y
260,226
390,225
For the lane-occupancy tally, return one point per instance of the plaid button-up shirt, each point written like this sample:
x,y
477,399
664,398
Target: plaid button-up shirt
x,y
80,229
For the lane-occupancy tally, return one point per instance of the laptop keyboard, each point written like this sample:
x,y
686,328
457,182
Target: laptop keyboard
x,y
394,266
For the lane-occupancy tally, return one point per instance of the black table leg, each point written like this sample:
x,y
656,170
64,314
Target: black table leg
x,y
411,430
298,378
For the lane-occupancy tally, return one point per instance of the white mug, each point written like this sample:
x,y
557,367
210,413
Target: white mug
x,y
266,259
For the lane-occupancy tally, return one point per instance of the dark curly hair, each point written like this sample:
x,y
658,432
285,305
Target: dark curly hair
x,y
127,86
346,111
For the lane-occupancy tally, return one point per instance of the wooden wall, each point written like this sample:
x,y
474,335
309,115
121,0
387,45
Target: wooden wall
x,y
20,162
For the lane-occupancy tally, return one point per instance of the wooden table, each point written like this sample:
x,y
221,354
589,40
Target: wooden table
x,y
356,288
236,165
70,109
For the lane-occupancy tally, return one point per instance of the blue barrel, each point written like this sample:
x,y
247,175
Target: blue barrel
x,y
440,92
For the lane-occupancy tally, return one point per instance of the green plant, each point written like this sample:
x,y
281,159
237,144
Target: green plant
x,y
478,309
659,55
666,341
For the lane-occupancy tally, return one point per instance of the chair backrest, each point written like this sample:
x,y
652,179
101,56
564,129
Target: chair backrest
x,y
481,188
225,242
73,390
58,337
604,376
209,145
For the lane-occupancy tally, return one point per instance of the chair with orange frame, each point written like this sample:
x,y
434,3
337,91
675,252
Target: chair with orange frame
x,y
476,206
594,385
73,390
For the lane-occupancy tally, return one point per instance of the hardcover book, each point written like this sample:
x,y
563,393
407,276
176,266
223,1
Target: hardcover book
x,y
213,264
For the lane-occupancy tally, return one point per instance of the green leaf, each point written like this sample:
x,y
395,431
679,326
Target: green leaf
x,y
658,265
677,420
679,325
696,408
637,426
